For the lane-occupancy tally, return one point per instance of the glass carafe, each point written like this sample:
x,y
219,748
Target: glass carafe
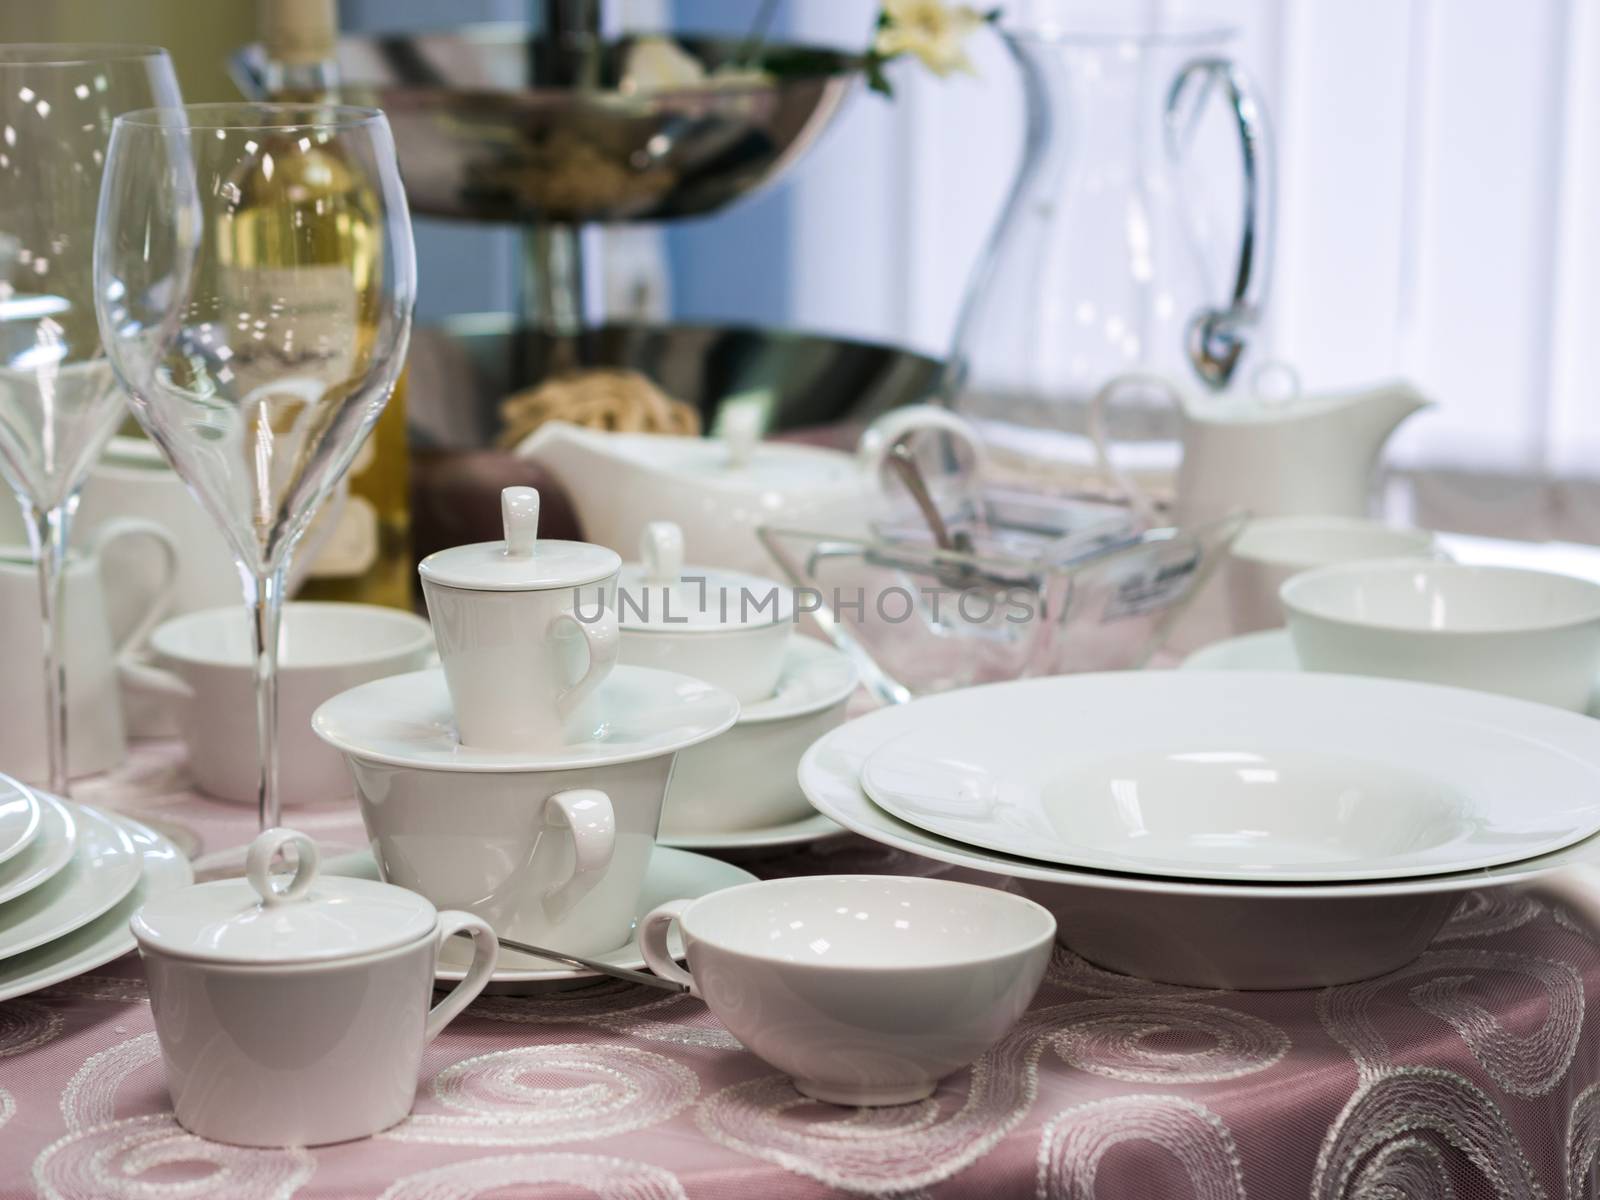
x,y
1107,258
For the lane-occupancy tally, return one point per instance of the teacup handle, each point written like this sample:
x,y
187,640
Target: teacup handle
x,y
653,931
604,643
160,602
588,815
485,954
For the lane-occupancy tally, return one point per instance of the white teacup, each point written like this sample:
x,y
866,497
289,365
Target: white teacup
x,y
202,675
96,740
1268,551
1530,634
527,630
296,1014
866,989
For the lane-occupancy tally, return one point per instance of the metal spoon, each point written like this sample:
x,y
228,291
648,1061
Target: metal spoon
x,y
572,960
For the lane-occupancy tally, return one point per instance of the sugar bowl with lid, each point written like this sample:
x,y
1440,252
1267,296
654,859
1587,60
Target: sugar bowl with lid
x,y
525,628
295,1014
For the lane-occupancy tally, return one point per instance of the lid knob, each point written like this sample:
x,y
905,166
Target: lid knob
x,y
258,865
519,511
661,552
741,430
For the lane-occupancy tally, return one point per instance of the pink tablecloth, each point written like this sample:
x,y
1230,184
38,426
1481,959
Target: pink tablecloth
x,y
1471,1073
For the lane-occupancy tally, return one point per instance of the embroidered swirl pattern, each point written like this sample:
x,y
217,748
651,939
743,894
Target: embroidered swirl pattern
x,y
607,1178
1075,1142
1583,1143
1117,1039
26,1025
543,1094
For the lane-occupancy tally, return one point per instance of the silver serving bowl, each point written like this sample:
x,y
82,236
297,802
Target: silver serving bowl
x,y
461,370
489,126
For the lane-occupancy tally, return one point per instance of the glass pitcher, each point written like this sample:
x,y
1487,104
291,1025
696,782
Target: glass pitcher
x,y
1104,260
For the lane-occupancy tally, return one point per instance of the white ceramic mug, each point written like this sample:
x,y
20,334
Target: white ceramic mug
x,y
866,989
96,740
308,1028
557,858
202,675
527,630
1271,550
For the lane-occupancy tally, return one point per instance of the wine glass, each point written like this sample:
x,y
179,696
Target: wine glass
x,y
255,277
58,401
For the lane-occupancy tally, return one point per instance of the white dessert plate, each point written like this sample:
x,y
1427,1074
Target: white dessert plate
x,y
105,867
814,828
1275,777
815,676
406,721
107,936
19,818
673,875
1199,934
46,856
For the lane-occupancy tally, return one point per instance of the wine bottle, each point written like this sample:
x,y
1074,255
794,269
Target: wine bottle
x,y
366,556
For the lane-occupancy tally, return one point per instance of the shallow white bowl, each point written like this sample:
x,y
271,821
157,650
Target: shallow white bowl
x,y
1530,634
1271,550
1200,934
866,989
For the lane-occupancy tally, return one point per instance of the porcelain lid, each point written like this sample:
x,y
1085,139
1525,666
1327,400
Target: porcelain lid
x,y
524,562
262,921
659,594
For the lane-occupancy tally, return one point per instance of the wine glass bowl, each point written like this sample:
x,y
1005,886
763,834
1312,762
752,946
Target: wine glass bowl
x,y
255,279
58,399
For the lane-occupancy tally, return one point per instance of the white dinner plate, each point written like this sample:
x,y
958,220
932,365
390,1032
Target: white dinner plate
x,y
19,818
407,720
46,856
107,936
105,867
1265,777
1199,934
673,875
814,828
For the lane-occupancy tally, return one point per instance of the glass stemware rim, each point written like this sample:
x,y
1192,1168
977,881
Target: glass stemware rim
x,y
71,54
213,116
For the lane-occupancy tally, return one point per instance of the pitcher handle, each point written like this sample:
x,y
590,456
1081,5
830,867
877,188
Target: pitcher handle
x,y
1117,479
1217,336
160,601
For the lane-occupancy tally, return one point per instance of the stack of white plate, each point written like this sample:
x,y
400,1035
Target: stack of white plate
x,y
70,878
1226,829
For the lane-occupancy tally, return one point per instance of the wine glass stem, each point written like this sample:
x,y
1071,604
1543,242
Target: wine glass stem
x,y
265,598
47,534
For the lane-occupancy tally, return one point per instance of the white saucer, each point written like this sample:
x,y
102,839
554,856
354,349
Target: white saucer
x,y
105,867
815,676
46,856
19,818
673,875
814,828
407,721
107,936
1266,777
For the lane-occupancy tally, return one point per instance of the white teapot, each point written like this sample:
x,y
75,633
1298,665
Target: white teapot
x,y
1268,454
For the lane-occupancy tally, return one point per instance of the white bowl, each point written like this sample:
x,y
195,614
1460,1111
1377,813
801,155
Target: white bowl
x,y
202,675
1270,550
1530,634
745,779
866,989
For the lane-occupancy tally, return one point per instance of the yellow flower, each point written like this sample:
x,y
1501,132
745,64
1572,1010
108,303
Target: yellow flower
x,y
934,31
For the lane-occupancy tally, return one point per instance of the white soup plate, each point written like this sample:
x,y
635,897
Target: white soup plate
x,y
19,818
46,856
105,867
1276,778
1199,934
107,936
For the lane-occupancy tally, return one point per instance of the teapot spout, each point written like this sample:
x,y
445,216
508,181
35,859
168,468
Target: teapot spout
x,y
1376,412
